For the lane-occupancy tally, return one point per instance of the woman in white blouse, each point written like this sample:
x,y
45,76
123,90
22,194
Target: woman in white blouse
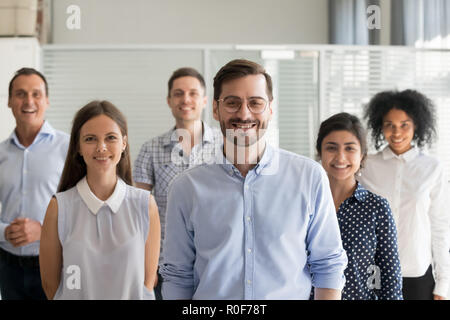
x,y
100,237
416,187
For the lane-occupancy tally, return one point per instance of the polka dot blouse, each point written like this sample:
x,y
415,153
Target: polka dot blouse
x,y
369,237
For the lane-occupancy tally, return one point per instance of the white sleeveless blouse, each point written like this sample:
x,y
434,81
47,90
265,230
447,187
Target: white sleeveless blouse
x,y
103,243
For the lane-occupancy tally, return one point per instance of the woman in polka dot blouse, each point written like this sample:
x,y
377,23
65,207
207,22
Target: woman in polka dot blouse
x,y
368,231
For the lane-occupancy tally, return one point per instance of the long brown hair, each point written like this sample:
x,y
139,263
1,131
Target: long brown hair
x,y
75,167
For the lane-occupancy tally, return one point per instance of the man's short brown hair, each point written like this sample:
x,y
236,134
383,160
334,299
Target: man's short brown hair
x,y
239,68
186,72
27,72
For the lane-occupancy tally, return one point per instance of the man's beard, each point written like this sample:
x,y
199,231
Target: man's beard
x,y
239,137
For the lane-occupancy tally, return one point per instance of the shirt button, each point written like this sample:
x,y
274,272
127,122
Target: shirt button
x,y
246,187
249,282
249,250
248,219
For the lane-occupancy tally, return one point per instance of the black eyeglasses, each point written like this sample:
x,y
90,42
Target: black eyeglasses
x,y
233,104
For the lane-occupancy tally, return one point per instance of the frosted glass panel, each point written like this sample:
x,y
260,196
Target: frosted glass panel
x,y
134,80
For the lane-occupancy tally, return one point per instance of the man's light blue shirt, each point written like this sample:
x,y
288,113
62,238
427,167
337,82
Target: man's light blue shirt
x,y
28,179
270,235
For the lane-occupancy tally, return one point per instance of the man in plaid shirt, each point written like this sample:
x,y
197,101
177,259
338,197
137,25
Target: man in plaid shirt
x,y
191,142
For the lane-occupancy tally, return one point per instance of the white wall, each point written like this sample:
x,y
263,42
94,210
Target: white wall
x,y
385,32
15,53
194,21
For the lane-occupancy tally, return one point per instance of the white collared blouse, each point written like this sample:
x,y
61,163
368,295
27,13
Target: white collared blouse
x,y
103,243
417,189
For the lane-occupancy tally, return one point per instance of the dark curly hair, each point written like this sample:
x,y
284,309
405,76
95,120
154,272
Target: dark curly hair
x,y
416,105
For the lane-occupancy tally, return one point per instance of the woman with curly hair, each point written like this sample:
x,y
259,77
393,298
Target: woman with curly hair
x,y
415,185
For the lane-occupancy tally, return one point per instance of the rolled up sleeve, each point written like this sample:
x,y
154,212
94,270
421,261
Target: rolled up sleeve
x,y
440,235
326,257
177,267
3,227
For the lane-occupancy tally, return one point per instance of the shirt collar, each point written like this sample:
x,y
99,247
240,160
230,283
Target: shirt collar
x,y
46,130
264,162
266,159
94,204
409,155
208,135
360,193
166,140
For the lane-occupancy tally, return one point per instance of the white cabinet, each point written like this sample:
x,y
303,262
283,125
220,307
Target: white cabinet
x,y
15,53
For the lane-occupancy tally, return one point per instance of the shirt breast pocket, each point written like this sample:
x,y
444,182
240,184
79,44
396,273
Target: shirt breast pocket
x,y
164,175
420,197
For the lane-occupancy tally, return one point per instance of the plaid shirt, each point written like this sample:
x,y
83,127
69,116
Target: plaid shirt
x,y
161,159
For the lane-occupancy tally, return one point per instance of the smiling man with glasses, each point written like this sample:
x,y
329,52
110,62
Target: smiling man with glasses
x,y
260,223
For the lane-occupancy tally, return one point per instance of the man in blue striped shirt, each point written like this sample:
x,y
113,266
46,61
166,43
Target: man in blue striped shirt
x,y
260,222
